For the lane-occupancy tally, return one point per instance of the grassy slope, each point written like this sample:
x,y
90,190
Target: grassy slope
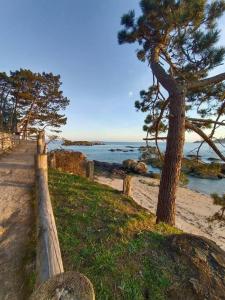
x,y
110,239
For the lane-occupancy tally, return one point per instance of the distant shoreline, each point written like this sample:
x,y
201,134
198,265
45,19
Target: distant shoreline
x,y
216,141
81,143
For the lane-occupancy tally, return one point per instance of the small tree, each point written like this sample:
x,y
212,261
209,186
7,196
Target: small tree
x,y
178,40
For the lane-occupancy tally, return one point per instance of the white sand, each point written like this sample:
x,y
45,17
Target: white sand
x,y
192,208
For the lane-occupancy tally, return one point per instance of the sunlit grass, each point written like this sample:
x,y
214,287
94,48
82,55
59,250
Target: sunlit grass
x,y
111,239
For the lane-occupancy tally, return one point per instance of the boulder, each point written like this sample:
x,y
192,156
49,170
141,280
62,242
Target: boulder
x,y
205,263
135,166
141,168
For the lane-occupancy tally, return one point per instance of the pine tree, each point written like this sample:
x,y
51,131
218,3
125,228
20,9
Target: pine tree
x,y
208,107
178,40
35,101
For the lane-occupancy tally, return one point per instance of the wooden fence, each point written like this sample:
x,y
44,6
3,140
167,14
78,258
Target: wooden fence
x,y
52,282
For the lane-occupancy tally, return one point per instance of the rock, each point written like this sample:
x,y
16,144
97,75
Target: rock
x,y
194,156
206,264
80,143
213,159
129,164
119,150
131,147
108,167
135,166
119,173
141,168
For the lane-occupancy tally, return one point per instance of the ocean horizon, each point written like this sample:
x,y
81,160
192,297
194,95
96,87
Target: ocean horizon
x,y
103,153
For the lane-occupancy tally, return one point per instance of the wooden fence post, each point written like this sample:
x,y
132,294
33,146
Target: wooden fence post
x,y
90,169
68,285
42,163
127,185
52,160
39,145
41,142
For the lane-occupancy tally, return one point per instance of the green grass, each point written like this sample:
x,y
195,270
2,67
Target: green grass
x,y
111,240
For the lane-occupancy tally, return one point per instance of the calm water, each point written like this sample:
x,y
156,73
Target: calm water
x,y
102,153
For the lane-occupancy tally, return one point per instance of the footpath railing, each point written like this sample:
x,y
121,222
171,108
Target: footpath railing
x,y
51,280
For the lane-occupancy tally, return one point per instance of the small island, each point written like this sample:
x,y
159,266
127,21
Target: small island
x,y
80,143
221,140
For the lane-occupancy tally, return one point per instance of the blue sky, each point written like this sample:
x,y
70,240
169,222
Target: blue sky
x,y
78,40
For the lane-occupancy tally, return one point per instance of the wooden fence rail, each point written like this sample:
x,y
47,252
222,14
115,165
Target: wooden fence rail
x,y
52,282
49,260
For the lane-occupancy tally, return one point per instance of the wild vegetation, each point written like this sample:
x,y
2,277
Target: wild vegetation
x,y
178,40
117,244
108,237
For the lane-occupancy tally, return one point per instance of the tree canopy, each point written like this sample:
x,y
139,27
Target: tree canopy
x,y
31,101
178,39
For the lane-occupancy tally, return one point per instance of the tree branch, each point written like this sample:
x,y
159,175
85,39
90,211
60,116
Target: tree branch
x,y
167,81
205,82
206,121
194,128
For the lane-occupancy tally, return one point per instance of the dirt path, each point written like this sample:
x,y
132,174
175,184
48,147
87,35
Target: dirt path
x,y
16,213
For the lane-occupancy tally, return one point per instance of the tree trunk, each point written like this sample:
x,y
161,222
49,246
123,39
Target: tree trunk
x,y
175,141
173,157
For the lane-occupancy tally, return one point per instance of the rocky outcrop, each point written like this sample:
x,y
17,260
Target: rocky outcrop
x,y
204,262
120,150
80,143
135,166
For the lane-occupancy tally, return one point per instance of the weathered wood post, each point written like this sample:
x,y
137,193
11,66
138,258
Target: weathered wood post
x,y
90,169
65,286
40,145
52,160
127,185
42,164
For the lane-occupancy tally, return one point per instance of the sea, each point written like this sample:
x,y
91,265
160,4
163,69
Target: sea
x,y
103,153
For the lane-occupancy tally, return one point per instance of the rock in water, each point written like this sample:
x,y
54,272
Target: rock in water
x,y
129,164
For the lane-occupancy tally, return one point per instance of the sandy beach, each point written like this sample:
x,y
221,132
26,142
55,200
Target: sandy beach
x,y
193,209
